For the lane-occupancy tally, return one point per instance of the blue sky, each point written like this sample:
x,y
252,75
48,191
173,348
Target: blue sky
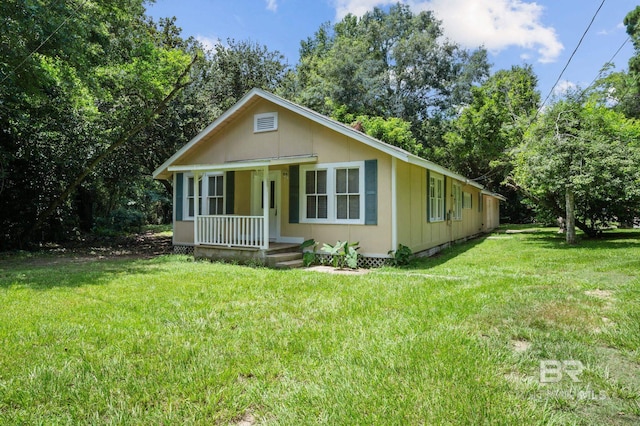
x,y
543,33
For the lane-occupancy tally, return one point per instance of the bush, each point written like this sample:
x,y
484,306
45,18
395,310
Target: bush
x,y
121,220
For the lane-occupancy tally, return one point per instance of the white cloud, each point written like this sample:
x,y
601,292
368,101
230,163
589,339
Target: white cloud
x,y
563,87
496,24
358,7
617,28
272,5
208,43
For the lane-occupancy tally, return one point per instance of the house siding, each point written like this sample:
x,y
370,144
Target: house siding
x,y
297,135
415,231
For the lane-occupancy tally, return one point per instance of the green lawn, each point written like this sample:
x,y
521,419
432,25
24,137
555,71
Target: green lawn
x,y
455,339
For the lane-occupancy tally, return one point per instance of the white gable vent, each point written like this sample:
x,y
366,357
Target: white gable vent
x,y
265,122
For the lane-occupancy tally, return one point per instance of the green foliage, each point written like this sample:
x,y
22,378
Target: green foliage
x,y
386,64
309,257
71,113
342,254
91,84
394,131
121,220
481,137
401,256
133,336
590,150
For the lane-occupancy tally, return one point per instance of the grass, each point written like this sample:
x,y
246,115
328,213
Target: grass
x,y
455,339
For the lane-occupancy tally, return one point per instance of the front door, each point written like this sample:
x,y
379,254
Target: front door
x,y
274,201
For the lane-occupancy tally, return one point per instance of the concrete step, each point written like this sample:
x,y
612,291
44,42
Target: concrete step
x,y
290,264
275,248
272,260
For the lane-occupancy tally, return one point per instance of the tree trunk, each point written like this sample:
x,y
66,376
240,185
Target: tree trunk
x,y
570,223
126,137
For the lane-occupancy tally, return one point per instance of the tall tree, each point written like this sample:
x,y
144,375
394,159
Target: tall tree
x,y
387,64
492,124
80,80
485,131
581,161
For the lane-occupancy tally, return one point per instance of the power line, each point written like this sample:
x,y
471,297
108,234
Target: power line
x,y
584,34
63,23
608,62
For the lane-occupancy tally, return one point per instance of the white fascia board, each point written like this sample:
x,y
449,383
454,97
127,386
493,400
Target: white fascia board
x,y
205,132
217,167
443,171
244,165
493,194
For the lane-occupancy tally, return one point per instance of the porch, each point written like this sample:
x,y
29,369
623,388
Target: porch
x,y
241,205
276,255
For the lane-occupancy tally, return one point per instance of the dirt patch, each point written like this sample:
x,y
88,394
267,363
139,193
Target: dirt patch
x,y
247,420
332,270
600,294
139,246
520,345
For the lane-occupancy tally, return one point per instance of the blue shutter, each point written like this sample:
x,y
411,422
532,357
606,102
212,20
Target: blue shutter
x,y
294,194
428,196
371,192
229,191
179,195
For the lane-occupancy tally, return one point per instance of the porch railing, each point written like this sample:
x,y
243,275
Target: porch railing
x,y
230,231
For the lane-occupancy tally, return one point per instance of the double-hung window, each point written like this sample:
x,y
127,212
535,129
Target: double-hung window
x,y
457,201
215,194
348,193
316,194
190,193
436,197
333,193
211,195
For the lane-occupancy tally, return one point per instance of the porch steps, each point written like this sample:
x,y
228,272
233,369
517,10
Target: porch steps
x,y
290,264
284,260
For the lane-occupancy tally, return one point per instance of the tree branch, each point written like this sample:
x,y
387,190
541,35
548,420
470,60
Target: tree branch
x,y
126,137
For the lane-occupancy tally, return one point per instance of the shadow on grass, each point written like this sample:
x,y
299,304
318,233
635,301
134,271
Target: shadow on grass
x,y
616,239
47,272
547,238
445,255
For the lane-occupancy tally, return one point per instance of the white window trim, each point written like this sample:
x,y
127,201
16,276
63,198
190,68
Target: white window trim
x,y
257,117
203,194
456,191
439,212
331,193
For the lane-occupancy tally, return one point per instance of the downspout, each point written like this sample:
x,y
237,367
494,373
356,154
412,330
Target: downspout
x,y
394,204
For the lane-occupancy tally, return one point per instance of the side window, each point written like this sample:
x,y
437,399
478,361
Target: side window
x,y
215,194
348,193
436,197
316,194
211,195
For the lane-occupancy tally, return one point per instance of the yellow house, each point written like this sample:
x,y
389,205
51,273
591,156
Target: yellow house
x,y
270,172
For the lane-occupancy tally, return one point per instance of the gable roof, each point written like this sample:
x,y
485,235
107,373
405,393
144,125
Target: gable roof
x,y
255,94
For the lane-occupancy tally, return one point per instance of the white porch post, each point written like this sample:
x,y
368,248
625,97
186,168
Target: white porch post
x,y
265,204
196,207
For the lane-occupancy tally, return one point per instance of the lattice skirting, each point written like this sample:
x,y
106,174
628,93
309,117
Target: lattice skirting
x,y
363,261
183,250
